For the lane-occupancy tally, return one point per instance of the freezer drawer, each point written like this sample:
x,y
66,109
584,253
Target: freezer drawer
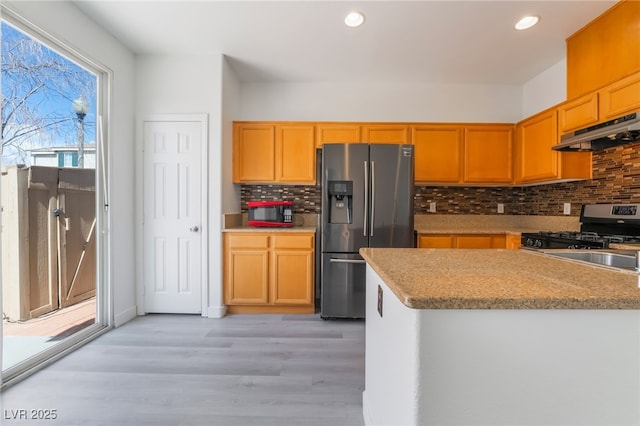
x,y
343,286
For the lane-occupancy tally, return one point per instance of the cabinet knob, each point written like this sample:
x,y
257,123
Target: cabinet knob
x,y
194,229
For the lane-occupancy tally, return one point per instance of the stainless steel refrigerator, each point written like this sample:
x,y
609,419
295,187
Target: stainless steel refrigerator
x,y
367,201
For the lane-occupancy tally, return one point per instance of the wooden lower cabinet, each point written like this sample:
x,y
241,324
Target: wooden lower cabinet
x,y
269,272
481,241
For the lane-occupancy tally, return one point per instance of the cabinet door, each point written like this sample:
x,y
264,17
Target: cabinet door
x,y
620,98
295,153
246,269
253,152
438,153
435,241
386,133
337,133
605,50
578,113
488,154
513,241
535,136
292,270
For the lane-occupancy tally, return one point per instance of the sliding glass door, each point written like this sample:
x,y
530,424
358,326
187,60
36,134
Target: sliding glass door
x,y
53,195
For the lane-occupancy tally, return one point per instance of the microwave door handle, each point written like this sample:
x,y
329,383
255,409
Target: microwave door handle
x,y
373,195
366,199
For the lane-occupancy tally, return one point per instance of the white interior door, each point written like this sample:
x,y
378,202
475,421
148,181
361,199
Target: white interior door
x,y
173,218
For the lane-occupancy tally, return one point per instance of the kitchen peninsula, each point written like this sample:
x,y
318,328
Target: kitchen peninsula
x,y
499,337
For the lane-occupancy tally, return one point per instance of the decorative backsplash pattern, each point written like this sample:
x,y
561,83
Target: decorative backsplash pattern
x,y
306,199
616,179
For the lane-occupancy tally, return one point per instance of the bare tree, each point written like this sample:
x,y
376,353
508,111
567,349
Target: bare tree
x,y
38,87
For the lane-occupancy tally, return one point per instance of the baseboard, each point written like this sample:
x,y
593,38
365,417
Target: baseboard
x,y
216,311
124,316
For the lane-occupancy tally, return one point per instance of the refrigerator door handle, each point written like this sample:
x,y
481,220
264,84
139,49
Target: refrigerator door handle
x,y
373,194
332,260
366,199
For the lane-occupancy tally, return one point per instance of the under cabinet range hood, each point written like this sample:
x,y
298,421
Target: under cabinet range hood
x,y
601,136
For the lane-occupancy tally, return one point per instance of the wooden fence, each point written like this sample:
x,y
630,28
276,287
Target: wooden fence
x,y
48,239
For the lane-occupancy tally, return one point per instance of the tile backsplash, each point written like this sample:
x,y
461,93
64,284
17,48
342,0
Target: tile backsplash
x,y
616,178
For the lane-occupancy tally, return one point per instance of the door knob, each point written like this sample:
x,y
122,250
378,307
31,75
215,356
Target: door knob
x,y
194,229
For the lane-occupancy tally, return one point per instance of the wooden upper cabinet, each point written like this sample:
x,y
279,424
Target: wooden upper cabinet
x,y
268,152
254,150
578,113
337,133
621,97
488,153
605,50
438,152
295,153
386,133
535,160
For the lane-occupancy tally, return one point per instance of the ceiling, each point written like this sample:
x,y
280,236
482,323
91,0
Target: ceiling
x,y
443,42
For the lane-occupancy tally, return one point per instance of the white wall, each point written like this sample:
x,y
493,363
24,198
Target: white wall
x,y
547,89
230,112
189,85
397,101
64,22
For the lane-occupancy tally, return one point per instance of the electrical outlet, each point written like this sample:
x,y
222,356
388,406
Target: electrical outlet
x,y
432,207
500,208
567,208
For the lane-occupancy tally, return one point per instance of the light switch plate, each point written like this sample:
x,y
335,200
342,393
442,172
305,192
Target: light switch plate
x,y
567,208
432,207
500,208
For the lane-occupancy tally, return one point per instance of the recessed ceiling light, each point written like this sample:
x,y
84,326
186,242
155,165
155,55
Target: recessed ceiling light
x,y
527,22
354,19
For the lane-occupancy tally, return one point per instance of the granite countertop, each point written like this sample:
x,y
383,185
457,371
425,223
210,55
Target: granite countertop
x,y
500,279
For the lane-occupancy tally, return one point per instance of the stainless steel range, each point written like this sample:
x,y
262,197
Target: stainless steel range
x,y
600,226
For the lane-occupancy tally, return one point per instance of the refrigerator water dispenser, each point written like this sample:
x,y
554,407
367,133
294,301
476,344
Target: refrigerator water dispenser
x,y
340,201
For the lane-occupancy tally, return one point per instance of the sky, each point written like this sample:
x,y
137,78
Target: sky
x,y
49,108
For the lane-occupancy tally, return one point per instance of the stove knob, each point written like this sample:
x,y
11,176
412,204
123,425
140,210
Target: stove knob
x,y
528,242
537,243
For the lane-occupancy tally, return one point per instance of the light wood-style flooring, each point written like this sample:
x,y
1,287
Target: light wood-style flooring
x,y
187,370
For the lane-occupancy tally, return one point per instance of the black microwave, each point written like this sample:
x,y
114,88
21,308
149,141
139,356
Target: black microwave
x,y
270,213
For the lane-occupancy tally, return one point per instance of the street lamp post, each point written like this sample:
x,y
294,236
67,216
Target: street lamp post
x,y
80,107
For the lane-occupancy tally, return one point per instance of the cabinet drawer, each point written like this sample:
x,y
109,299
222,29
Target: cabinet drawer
x,y
288,241
435,241
248,240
